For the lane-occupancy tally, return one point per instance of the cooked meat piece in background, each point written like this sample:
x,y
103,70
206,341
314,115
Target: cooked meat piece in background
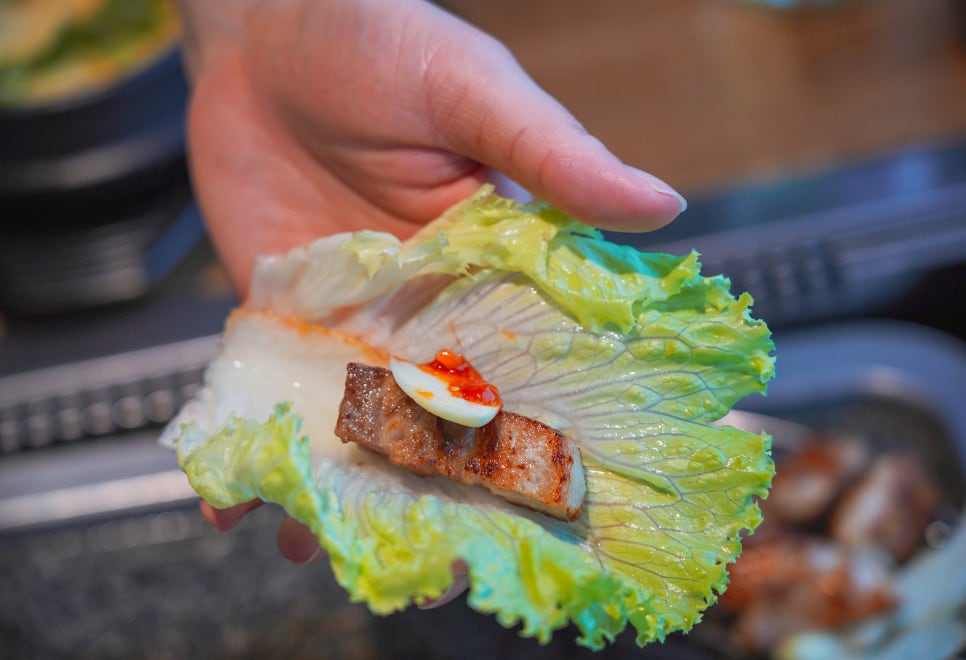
x,y
792,583
515,457
842,516
808,482
890,506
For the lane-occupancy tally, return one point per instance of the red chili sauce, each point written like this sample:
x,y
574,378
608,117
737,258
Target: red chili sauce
x,y
462,379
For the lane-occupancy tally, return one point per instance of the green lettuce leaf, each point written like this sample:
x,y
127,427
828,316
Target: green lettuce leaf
x,y
599,282
633,355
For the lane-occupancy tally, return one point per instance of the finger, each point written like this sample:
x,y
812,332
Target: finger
x,y
461,582
491,111
225,519
297,543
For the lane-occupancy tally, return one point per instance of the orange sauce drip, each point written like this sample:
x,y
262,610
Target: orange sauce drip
x,y
461,379
307,329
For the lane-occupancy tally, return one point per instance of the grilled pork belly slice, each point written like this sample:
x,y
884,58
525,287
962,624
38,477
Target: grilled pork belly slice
x,y
515,457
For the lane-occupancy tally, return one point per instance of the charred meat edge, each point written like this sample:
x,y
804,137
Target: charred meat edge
x,y
515,457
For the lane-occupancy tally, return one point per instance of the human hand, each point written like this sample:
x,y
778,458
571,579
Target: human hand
x,y
309,118
295,540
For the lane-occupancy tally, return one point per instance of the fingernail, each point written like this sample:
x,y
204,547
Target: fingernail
x,y
297,542
314,556
461,582
303,555
659,186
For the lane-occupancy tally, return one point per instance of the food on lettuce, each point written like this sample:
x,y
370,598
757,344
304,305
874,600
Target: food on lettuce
x,y
517,458
449,387
632,355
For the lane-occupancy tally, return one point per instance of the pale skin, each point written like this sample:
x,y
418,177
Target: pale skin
x,y
313,117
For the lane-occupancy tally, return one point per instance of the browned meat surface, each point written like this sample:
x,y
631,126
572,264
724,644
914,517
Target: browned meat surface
x,y
515,457
890,506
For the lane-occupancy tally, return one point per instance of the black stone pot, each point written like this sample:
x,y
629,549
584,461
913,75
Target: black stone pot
x,y
89,187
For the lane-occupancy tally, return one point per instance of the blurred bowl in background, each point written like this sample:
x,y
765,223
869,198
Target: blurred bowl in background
x,y
92,171
53,51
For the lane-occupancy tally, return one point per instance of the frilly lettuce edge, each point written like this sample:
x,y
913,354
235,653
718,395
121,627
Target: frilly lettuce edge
x,y
519,573
397,547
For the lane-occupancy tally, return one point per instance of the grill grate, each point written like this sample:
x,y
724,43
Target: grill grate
x,y
94,398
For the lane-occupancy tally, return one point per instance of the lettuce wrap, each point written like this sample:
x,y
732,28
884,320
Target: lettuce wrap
x,y
633,355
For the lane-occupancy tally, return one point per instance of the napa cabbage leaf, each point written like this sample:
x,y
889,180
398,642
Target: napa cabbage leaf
x,y
634,355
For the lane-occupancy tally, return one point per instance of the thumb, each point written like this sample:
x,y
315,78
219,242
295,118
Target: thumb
x,y
494,113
